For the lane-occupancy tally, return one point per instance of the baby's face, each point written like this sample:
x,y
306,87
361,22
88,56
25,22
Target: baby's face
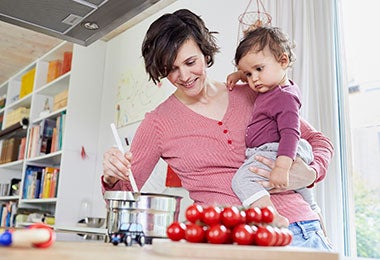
x,y
263,71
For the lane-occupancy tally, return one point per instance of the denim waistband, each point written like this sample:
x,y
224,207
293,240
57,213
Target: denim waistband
x,y
304,226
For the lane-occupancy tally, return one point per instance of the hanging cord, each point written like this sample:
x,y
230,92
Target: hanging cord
x,y
250,20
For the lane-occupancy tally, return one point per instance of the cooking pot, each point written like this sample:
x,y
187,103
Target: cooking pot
x,y
154,212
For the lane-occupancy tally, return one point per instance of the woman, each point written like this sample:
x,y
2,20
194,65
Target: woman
x,y
200,129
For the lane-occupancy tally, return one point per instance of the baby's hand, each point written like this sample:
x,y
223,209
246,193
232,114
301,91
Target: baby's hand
x,y
279,178
234,77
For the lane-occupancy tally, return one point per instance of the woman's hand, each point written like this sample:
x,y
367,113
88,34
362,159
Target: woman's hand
x,y
300,174
116,166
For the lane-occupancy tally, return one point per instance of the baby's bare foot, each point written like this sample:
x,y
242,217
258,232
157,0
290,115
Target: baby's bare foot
x,y
280,221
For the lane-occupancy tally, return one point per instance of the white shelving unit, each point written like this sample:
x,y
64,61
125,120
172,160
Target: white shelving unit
x,y
77,157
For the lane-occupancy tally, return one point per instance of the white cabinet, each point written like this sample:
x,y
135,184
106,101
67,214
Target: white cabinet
x,y
68,108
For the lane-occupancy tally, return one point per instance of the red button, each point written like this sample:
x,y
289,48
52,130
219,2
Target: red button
x,y
225,131
229,141
220,123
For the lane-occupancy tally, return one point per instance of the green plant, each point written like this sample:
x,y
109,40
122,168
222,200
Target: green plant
x,y
367,216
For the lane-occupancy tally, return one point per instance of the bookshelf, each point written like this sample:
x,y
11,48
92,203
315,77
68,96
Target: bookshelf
x,y
48,118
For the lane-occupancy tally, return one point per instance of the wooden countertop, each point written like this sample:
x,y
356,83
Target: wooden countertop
x,y
64,250
162,249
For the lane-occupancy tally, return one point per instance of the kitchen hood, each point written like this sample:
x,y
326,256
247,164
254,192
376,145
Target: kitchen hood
x,y
78,21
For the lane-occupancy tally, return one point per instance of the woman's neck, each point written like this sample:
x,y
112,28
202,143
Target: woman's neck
x,y
212,101
205,96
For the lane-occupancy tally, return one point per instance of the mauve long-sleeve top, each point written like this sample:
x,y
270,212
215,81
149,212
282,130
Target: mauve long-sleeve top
x,y
205,153
275,118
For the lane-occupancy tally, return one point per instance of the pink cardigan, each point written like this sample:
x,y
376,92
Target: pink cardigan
x,y
206,153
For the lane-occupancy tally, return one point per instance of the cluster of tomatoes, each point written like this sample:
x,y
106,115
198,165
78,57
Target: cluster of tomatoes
x,y
229,225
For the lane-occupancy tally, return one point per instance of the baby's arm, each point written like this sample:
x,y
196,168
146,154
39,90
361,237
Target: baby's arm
x,y
235,77
279,176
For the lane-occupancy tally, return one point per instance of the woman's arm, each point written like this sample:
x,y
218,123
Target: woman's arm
x,y
144,155
323,149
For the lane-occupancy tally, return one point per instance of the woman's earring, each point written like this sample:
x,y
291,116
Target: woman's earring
x,y
208,58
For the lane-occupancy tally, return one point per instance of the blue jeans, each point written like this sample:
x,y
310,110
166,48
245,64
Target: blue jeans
x,y
309,234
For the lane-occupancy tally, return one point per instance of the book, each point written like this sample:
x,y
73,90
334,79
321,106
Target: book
x,y
66,64
54,184
47,135
29,144
4,144
15,116
34,141
10,150
21,153
60,100
54,140
61,128
27,83
54,70
32,179
3,100
13,149
48,179
4,214
37,184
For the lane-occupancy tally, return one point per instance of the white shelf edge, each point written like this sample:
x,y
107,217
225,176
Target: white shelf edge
x,y
39,201
53,82
19,102
8,198
50,115
12,165
82,229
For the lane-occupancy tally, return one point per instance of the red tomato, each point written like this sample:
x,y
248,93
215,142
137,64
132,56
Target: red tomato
x,y
288,236
211,216
265,236
194,233
243,234
176,231
232,216
279,235
253,215
267,214
194,213
218,234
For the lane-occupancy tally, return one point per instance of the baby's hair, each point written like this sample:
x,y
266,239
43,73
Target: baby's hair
x,y
256,40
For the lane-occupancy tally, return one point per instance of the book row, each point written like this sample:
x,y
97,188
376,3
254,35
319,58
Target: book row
x,y
12,149
40,182
8,212
46,137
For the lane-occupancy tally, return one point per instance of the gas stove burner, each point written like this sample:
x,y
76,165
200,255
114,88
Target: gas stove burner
x,y
129,233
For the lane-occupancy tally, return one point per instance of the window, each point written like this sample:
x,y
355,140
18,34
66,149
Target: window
x,y
362,54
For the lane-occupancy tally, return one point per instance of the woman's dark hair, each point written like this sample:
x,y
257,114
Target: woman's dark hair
x,y
167,34
257,39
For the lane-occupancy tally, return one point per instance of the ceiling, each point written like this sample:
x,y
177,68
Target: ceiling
x,y
19,47
25,37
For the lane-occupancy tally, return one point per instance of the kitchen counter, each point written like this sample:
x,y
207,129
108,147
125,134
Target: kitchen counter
x,y
163,249
63,250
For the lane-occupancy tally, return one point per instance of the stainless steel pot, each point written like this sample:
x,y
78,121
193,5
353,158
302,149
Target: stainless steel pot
x,y
153,211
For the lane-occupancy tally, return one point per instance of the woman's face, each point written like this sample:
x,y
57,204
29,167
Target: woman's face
x,y
188,74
